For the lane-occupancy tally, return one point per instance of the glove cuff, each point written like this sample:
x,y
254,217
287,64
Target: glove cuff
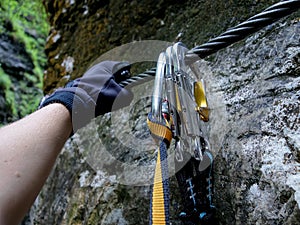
x,y
65,98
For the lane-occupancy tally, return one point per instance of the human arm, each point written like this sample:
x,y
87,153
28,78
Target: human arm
x,y
29,147
28,151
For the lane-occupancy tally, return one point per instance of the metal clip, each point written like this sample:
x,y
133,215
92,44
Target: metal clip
x,y
158,87
178,151
184,104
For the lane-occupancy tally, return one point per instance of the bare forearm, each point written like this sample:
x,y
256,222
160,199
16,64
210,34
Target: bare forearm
x,y
28,151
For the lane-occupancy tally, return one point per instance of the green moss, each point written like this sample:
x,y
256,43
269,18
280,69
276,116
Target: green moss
x,y
23,102
94,217
72,214
29,98
10,98
6,83
34,22
26,21
30,26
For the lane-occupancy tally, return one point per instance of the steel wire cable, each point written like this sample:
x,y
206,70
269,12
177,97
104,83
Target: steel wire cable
x,y
242,30
139,79
232,35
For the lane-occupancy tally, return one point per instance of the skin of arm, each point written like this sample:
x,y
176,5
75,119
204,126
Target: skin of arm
x,y
28,150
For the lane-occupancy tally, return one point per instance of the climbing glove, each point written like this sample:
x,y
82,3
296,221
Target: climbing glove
x,y
95,93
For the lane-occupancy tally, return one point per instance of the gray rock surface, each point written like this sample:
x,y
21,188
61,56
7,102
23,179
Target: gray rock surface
x,y
102,176
257,166
253,91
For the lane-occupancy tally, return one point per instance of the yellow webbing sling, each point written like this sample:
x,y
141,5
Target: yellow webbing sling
x,y
159,205
158,201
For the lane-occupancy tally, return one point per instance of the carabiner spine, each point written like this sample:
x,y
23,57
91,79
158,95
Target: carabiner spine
x,y
158,87
172,93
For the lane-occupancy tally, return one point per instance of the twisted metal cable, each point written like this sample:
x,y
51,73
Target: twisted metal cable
x,y
234,34
139,79
239,32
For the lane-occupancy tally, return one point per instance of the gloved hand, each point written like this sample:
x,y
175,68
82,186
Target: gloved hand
x,y
95,93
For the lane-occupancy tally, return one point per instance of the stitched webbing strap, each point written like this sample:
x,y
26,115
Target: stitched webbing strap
x,y
159,205
159,130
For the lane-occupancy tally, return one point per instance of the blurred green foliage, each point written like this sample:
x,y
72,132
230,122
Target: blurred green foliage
x,y
5,84
26,21
29,25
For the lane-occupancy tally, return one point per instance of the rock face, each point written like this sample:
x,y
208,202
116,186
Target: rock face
x,y
102,175
14,56
258,162
81,31
15,62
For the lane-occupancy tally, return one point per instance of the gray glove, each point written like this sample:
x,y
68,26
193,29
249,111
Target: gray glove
x,y
95,93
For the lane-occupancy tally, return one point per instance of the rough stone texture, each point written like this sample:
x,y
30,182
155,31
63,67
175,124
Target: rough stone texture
x,y
84,30
17,80
258,163
253,91
15,61
13,56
